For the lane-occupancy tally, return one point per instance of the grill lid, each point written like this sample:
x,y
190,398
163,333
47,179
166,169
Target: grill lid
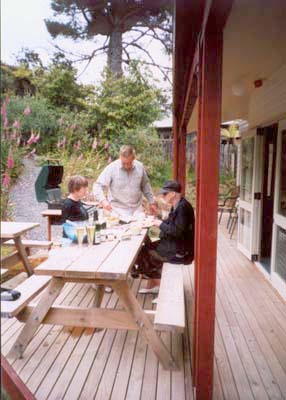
x,y
50,177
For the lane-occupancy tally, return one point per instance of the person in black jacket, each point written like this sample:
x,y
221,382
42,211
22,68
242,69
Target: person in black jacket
x,y
176,243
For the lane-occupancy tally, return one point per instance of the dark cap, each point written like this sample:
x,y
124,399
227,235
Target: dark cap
x,y
170,186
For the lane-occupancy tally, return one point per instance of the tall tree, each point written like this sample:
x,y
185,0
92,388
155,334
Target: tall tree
x,y
85,19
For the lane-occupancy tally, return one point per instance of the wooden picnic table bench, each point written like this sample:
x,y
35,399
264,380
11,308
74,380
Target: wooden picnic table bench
x,y
170,313
30,244
107,264
29,289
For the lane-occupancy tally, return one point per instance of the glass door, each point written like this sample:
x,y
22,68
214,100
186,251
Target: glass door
x,y
278,264
267,194
246,195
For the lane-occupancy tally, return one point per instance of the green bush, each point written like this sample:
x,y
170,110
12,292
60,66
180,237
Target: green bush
x,y
86,161
148,150
60,88
42,118
126,103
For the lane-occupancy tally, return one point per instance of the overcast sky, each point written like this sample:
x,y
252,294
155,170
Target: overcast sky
x,y
22,26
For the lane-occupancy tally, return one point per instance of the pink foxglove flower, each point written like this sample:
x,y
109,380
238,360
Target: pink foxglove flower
x,y
27,111
36,138
31,139
64,141
109,160
17,124
4,110
31,153
6,180
19,141
5,122
73,127
94,144
106,145
14,135
80,157
10,160
77,146
59,144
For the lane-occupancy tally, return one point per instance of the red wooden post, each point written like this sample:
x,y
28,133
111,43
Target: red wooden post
x,y
182,159
11,382
206,248
198,224
175,148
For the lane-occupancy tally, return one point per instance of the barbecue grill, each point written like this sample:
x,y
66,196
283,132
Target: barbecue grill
x,y
47,188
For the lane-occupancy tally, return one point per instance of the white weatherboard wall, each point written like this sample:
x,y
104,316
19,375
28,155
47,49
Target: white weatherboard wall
x,y
268,103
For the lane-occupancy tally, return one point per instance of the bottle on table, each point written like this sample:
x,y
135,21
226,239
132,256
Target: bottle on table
x,y
97,235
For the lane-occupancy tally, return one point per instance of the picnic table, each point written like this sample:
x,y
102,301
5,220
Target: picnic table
x,y
107,264
14,231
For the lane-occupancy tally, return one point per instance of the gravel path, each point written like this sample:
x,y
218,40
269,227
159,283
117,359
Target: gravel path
x,y
24,205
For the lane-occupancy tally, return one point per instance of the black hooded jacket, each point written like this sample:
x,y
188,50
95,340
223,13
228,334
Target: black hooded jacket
x,y
177,233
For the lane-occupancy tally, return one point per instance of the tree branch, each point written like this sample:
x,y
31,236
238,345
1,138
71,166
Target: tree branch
x,y
153,36
150,57
83,12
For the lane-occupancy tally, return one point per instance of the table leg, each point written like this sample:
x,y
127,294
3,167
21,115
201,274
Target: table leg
x,y
36,317
49,228
132,306
22,253
98,296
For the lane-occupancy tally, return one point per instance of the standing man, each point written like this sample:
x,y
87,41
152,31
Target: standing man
x,y
126,181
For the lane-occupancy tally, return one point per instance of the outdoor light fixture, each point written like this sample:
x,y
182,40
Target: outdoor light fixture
x,y
238,88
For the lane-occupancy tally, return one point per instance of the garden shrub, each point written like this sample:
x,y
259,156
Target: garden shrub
x,y
42,118
148,150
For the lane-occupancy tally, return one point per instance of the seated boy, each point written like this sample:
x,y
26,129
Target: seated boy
x,y
73,210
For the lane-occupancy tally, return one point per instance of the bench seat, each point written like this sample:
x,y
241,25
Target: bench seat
x,y
31,243
170,313
29,289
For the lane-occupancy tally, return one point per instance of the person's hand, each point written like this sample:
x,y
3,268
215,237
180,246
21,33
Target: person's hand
x,y
153,209
106,205
157,222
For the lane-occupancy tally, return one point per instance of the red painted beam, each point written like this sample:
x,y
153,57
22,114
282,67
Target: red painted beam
x,y
188,18
198,223
182,159
207,14
206,247
175,149
12,384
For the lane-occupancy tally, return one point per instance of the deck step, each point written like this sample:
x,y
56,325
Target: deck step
x,y
170,313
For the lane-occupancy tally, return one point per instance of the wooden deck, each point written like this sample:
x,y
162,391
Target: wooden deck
x,y
250,347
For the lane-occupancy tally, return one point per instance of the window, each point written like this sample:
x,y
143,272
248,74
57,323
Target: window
x,y
280,265
282,186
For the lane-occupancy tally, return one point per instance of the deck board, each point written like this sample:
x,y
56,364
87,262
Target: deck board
x,y
250,345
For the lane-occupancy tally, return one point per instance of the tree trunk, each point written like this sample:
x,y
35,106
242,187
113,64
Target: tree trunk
x,y
114,60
